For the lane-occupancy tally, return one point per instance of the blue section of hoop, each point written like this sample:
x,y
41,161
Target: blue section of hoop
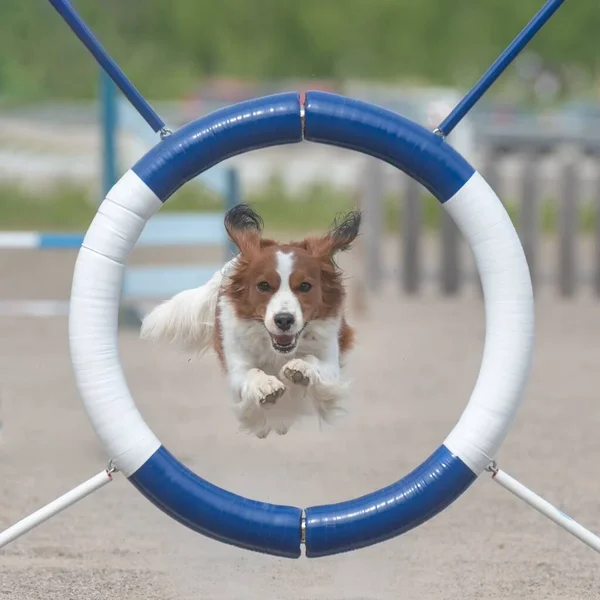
x,y
347,123
389,512
269,121
215,512
386,513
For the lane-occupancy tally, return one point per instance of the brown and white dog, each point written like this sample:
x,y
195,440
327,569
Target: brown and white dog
x,y
274,316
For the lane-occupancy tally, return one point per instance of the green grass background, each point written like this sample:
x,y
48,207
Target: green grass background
x,y
70,208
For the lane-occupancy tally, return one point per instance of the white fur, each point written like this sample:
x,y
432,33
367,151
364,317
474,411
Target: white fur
x,y
255,370
187,319
284,300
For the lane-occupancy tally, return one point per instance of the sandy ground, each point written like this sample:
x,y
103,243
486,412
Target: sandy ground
x,y
414,369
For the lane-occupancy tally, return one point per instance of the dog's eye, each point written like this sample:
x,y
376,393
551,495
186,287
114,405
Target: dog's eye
x,y
304,287
263,286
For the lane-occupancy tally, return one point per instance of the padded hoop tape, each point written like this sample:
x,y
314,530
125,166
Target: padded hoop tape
x,y
268,528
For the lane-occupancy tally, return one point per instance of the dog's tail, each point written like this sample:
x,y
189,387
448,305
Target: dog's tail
x,y
187,320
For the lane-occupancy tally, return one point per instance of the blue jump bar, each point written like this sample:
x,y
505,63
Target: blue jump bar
x,y
347,123
83,32
259,123
60,240
391,511
499,66
217,513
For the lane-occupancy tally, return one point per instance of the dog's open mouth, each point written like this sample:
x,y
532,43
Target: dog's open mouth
x,y
284,343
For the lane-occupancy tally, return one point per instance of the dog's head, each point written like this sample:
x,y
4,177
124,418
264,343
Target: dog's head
x,y
286,285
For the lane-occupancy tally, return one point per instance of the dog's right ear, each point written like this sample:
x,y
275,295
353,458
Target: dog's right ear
x,y
244,227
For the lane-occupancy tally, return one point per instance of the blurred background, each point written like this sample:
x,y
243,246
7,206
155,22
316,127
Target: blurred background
x,y
66,134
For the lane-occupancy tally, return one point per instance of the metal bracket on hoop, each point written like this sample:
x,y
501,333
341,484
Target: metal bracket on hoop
x,y
437,131
164,132
492,468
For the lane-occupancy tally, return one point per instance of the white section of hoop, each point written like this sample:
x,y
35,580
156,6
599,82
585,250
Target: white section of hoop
x,y
93,323
508,298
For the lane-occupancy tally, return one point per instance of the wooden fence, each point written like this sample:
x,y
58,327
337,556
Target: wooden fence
x,y
556,217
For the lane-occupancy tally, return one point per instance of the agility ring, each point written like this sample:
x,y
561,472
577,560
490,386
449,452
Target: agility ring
x,y
280,530
468,450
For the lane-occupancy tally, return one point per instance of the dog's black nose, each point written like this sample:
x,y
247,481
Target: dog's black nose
x,y
284,320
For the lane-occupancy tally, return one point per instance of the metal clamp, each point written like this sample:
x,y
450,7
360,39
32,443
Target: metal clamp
x,y
492,468
302,118
164,132
437,131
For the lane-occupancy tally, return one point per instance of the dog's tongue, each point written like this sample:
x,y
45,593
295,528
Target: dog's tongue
x,y
283,340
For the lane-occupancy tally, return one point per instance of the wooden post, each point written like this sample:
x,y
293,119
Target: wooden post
x,y
373,226
358,293
597,231
450,238
410,228
529,212
567,228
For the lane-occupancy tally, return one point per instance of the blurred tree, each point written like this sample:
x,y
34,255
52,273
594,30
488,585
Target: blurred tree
x,y
168,46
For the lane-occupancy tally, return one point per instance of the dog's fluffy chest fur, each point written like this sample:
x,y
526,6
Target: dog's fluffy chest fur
x,y
281,388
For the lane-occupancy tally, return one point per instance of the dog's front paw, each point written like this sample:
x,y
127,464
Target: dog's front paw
x,y
282,428
298,371
262,433
265,390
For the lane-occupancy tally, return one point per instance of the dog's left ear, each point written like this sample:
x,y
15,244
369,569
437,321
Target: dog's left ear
x,y
342,234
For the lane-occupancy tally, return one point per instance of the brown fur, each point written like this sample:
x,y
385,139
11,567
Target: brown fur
x,y
346,337
323,300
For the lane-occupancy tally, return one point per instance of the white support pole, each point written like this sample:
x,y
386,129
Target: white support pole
x,y
58,505
547,509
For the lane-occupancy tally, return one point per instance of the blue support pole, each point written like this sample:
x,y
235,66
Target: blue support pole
x,y
84,33
498,67
108,109
232,197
